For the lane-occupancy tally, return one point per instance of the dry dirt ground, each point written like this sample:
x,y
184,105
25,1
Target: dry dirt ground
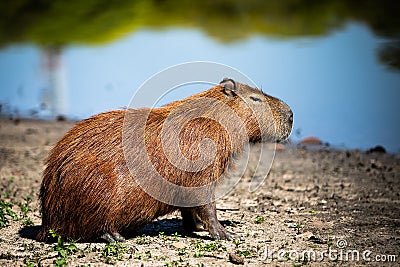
x,y
318,207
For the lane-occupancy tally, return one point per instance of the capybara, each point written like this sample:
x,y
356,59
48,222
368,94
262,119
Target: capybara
x,y
102,177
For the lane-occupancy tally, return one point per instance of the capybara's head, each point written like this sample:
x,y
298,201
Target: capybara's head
x,y
266,118
262,113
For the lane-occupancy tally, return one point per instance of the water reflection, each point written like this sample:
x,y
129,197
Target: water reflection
x,y
61,23
322,57
54,97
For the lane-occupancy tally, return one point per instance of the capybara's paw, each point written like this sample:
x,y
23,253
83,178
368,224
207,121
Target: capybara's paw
x,y
118,237
113,238
220,233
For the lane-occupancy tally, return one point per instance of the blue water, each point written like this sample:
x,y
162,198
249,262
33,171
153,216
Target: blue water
x,y
336,86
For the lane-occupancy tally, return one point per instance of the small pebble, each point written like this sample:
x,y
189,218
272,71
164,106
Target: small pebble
x,y
235,259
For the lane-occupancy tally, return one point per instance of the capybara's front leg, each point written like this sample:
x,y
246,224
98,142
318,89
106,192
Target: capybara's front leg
x,y
208,215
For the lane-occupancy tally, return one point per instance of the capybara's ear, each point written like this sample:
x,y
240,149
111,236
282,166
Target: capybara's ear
x,y
229,86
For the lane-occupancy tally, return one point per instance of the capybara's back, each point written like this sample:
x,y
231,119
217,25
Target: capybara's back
x,y
89,190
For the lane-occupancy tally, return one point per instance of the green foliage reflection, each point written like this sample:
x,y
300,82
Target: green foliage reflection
x,y
63,22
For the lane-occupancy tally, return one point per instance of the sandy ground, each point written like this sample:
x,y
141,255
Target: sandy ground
x,y
318,207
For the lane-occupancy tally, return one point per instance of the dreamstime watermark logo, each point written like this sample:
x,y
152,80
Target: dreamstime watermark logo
x,y
168,148
340,253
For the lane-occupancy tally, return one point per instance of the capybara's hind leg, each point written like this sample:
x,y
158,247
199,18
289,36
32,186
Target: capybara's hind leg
x,y
208,215
113,237
190,221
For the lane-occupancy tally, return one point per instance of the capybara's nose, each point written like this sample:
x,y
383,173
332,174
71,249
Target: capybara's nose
x,y
290,117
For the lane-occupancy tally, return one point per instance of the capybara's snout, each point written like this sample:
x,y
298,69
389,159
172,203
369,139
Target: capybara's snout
x,y
287,123
283,117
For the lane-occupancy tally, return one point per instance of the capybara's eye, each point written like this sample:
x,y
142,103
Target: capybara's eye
x,y
256,99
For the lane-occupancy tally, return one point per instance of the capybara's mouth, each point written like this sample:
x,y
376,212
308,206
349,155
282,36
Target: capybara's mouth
x,y
288,130
283,139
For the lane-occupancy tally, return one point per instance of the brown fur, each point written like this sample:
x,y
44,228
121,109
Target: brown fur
x,y
88,190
